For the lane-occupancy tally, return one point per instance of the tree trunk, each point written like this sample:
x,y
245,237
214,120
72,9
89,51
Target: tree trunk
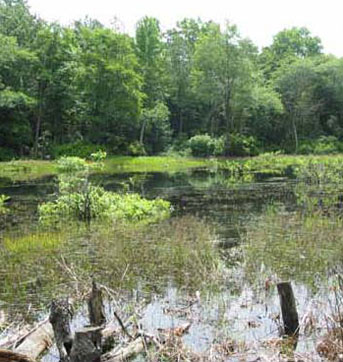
x,y
295,133
141,137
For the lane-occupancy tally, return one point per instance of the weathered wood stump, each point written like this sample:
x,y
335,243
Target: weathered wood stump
x,y
288,309
9,356
96,308
87,345
61,315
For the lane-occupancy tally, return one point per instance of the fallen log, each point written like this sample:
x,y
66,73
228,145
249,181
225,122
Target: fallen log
x,y
135,347
15,338
37,342
9,356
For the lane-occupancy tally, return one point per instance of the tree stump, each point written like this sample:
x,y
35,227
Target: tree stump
x,y
61,315
87,345
96,308
288,309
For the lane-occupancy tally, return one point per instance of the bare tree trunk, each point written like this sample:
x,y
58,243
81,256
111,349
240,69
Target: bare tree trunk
x,y
295,133
141,137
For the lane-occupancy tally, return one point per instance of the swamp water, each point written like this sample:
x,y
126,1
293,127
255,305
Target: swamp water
x,y
202,266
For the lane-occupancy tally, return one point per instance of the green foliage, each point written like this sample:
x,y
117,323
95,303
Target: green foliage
x,y
96,203
6,154
155,128
79,200
68,91
3,199
205,145
324,145
77,149
98,156
240,145
136,149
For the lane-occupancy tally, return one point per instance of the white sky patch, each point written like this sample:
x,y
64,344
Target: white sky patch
x,y
258,20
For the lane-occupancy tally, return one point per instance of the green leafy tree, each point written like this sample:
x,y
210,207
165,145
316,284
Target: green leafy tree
x,y
288,46
150,54
296,84
222,76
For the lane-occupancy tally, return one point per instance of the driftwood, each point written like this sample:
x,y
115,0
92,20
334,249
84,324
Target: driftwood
x,y
16,338
60,317
87,345
288,309
9,356
135,347
37,342
96,308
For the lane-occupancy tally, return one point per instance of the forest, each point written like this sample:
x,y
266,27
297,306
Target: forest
x,y
198,88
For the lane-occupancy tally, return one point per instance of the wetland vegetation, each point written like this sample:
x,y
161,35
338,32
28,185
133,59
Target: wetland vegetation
x,y
236,228
223,177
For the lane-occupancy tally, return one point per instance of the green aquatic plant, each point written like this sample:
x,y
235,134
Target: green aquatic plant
x,y
178,251
80,200
292,245
3,208
34,242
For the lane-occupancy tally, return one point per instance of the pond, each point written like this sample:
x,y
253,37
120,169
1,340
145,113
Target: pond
x,y
214,263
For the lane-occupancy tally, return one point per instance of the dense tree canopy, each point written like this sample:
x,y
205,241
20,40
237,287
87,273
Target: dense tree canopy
x,y
88,84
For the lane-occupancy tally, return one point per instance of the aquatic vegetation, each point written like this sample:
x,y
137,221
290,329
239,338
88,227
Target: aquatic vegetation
x,y
295,246
79,200
33,242
118,164
3,199
26,169
125,256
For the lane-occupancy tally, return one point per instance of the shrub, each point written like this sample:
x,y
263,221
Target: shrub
x,y
136,149
79,200
240,145
202,145
6,154
322,146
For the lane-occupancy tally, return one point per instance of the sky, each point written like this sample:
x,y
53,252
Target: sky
x,y
258,20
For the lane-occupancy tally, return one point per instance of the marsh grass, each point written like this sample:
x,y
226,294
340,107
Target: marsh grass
x,y
295,246
26,169
153,164
37,267
35,242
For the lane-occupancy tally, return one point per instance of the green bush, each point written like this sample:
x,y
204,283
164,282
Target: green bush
x,y
203,145
6,154
240,145
79,200
78,149
324,145
136,149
